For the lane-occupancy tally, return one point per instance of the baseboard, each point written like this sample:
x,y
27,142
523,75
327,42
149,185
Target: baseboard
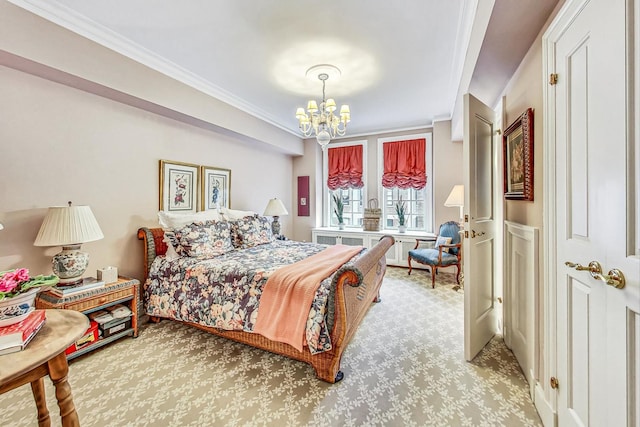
x,y
547,414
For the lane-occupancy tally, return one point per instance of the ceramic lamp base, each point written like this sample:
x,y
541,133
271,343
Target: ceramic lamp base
x,y
70,264
275,226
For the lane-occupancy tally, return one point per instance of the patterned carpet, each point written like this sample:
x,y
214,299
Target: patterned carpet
x,y
405,367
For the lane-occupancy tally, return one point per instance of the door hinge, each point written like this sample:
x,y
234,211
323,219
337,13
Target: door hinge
x,y
553,79
466,218
466,234
553,381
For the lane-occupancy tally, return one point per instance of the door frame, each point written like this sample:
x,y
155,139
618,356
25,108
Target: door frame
x,y
546,398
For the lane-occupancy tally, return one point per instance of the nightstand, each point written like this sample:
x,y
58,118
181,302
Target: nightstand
x,y
124,291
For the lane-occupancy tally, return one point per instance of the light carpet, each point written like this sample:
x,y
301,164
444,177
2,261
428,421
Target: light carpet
x,y
404,367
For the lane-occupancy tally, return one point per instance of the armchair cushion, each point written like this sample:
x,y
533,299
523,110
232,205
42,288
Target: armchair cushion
x,y
430,257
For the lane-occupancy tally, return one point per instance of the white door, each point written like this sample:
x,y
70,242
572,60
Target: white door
x,y
480,312
596,193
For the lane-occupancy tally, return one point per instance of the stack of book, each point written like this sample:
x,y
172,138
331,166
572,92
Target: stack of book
x,y
16,337
87,284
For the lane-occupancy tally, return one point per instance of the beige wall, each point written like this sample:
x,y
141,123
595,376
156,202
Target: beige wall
x,y
59,144
525,90
447,171
81,122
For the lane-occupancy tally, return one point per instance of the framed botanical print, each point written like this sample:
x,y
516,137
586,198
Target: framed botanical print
x,y
178,186
518,158
216,187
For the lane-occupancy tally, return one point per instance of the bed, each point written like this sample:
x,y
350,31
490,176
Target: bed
x,y
220,294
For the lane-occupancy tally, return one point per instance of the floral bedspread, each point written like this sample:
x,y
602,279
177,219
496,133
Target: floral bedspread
x,y
224,291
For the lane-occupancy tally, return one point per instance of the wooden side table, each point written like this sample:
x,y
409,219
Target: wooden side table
x,y
45,356
124,291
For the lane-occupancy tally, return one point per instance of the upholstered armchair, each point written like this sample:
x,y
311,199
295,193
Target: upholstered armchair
x,y
447,251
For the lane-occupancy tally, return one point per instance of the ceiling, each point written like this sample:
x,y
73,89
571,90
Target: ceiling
x,y
403,65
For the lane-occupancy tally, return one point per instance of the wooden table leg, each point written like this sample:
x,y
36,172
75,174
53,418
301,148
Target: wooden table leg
x,y
58,371
37,387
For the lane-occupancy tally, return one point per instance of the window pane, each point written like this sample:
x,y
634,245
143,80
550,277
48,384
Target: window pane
x,y
415,207
353,207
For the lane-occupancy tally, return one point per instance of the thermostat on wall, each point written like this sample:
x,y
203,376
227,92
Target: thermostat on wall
x,y
108,274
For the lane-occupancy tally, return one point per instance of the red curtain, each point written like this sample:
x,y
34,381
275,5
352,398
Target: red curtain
x,y
345,167
404,164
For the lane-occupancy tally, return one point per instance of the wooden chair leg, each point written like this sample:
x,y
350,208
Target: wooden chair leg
x,y
409,273
433,277
458,274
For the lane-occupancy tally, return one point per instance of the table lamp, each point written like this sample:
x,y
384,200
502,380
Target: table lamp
x,y
456,198
276,209
69,227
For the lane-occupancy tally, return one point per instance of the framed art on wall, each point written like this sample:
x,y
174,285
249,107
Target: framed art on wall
x,y
216,187
518,158
178,186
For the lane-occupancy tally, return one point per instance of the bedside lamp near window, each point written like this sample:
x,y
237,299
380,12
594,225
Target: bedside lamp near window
x,y
69,227
456,199
276,209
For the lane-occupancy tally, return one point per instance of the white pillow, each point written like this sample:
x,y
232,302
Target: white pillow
x,y
172,220
441,240
232,215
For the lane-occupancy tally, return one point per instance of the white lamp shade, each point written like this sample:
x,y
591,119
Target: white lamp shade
x,y
1,226
456,197
312,106
275,207
68,225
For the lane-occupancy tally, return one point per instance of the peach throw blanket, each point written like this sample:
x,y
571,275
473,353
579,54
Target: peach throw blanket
x,y
288,294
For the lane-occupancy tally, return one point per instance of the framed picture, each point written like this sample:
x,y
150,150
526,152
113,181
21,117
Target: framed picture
x,y
178,186
518,158
216,187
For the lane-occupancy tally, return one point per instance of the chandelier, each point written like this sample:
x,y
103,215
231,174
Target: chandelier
x,y
323,122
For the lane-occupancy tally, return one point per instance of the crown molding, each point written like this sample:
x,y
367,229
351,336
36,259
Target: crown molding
x,y
67,18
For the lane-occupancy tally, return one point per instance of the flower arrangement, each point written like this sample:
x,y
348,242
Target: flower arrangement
x,y
339,207
17,281
401,210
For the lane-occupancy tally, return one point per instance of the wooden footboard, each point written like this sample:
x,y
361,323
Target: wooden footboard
x,y
356,288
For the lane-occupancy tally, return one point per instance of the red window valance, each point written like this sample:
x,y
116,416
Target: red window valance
x,y
404,164
345,167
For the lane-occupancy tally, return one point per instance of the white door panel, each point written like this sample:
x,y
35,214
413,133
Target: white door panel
x,y
479,249
595,198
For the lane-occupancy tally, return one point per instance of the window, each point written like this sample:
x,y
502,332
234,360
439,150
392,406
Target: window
x,y
345,170
415,208
353,207
404,171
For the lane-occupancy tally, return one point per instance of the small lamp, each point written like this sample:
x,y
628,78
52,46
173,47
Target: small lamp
x,y
275,208
1,227
456,198
69,227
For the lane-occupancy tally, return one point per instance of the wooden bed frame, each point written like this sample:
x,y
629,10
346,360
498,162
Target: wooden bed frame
x,y
354,295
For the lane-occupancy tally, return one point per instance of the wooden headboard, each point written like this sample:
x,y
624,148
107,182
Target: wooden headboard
x,y
154,246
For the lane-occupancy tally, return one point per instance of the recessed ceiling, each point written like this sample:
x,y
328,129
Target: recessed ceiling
x,y
401,63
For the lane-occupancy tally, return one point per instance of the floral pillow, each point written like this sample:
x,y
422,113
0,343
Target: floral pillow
x,y
251,231
204,239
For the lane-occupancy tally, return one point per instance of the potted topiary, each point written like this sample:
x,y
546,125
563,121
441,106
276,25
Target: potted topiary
x,y
401,211
338,209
